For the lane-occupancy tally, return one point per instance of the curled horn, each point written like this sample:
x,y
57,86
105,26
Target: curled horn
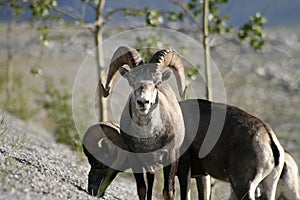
x,y
101,141
123,55
170,58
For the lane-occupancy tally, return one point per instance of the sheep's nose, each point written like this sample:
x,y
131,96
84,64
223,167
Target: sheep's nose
x,y
142,102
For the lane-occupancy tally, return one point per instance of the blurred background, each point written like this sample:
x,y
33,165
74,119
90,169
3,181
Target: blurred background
x,y
254,44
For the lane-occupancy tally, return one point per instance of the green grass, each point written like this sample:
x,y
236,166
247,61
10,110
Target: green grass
x,y
18,104
56,101
3,125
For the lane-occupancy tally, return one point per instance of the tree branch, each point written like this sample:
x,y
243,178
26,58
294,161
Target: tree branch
x,y
123,9
112,12
74,17
93,6
63,12
185,9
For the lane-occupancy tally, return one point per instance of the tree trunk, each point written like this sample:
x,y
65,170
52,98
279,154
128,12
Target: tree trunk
x,y
9,70
98,34
207,49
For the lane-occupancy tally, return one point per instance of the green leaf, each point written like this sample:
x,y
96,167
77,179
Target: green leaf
x,y
16,8
180,16
253,31
154,18
193,72
172,16
41,8
35,71
191,6
44,34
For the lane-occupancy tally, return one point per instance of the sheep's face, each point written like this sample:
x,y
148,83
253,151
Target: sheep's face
x,y
144,80
96,176
97,173
108,152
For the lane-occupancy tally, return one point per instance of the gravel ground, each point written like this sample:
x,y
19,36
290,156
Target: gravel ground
x,y
33,166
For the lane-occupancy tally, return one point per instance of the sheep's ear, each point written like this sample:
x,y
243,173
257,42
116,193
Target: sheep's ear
x,y
166,75
123,71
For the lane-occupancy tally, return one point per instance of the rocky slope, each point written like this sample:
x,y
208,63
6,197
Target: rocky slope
x,y
33,166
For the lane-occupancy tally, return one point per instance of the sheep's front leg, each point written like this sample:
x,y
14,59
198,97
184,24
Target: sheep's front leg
x,y
184,176
140,185
150,180
169,178
203,187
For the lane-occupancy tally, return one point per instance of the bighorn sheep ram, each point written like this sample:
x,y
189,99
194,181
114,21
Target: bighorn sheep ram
x,y
246,154
151,121
101,142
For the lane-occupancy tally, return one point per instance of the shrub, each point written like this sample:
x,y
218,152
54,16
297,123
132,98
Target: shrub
x,y
56,102
18,102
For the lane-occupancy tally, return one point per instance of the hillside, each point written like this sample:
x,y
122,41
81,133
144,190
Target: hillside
x,y
33,166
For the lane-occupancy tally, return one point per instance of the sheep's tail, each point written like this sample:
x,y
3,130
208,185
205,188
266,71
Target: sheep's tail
x,y
277,149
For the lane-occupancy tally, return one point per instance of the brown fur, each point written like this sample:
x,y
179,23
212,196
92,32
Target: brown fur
x,y
247,150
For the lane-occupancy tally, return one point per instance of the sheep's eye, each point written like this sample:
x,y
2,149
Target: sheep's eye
x,y
157,84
